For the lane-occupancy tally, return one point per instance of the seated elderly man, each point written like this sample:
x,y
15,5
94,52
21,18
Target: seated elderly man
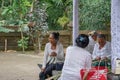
x,y
102,49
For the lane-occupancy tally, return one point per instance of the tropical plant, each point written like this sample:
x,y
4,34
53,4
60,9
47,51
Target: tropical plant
x,y
19,12
13,12
56,9
94,14
63,21
23,43
38,25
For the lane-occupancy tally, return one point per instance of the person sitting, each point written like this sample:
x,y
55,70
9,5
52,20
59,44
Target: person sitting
x,y
92,41
102,49
76,58
53,55
102,52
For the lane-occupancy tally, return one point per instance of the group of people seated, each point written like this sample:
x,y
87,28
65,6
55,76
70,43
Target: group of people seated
x,y
93,46
98,46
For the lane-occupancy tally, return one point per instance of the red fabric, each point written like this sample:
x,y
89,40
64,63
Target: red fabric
x,y
96,73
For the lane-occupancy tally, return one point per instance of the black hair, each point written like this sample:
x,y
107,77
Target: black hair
x,y
56,35
94,34
82,40
101,36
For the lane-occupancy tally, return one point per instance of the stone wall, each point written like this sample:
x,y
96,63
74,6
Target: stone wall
x,y
10,39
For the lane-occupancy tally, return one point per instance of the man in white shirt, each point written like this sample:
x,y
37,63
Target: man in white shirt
x,y
92,41
102,49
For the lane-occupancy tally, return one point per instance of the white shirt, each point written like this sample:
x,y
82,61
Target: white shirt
x,y
59,50
76,59
91,45
104,52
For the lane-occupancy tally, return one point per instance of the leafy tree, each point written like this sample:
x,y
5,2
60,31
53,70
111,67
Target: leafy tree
x,y
56,9
13,12
23,43
38,25
94,14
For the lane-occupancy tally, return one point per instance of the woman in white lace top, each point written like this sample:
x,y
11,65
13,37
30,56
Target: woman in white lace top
x,y
53,55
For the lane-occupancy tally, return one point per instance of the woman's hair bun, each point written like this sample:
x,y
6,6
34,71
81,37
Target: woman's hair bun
x,y
82,40
56,35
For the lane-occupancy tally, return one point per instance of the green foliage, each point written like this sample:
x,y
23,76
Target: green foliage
x,y
63,21
54,13
56,9
23,42
3,29
14,10
94,14
38,25
39,17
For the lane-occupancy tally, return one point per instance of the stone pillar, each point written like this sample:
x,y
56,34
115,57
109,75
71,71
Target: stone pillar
x,y
115,31
75,21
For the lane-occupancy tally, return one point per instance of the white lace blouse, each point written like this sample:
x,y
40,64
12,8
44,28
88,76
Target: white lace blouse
x,y
103,52
59,50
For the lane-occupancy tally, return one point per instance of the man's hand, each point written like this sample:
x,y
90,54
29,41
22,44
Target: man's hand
x,y
53,54
105,58
98,58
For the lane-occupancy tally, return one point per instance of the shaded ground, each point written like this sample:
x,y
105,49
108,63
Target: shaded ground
x,y
17,66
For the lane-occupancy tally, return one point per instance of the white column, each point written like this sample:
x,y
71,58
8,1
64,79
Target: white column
x,y
115,31
75,21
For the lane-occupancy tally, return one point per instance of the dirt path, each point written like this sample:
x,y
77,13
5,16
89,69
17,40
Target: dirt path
x,y
17,66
